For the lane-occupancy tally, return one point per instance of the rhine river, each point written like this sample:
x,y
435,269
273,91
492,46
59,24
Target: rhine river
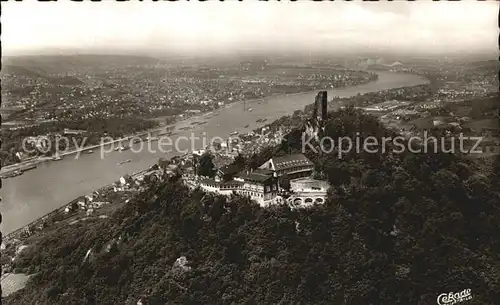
x,y
53,184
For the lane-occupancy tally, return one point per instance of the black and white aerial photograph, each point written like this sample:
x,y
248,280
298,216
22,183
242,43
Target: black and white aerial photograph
x,y
250,152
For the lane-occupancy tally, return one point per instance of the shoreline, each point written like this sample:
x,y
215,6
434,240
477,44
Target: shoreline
x,y
15,234
304,92
176,125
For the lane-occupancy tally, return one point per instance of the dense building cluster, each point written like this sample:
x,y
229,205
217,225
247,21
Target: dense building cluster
x,y
149,90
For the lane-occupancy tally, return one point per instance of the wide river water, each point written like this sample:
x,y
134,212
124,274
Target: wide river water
x,y
53,184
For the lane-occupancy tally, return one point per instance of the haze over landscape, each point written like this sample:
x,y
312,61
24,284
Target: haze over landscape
x,y
215,27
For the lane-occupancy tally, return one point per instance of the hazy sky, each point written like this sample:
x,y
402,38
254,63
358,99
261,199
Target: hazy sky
x,y
29,26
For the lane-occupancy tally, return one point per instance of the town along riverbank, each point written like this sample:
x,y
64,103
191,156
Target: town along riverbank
x,y
54,184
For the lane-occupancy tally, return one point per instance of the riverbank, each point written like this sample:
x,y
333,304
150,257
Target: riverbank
x,y
54,184
38,224
21,166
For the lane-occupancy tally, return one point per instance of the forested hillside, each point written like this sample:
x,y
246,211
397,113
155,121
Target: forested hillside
x,y
397,229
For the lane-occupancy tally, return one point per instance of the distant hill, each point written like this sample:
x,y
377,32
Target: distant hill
x,y
57,64
378,64
487,63
53,68
14,69
35,73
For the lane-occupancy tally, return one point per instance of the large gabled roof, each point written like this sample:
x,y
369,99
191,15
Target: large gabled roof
x,y
230,169
288,161
258,175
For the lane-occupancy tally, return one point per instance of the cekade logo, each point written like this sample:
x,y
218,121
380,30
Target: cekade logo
x,y
454,298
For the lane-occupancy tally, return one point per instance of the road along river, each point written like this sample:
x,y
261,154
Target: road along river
x,y
54,184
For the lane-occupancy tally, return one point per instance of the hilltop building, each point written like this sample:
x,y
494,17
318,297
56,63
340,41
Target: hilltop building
x,y
294,166
262,184
307,192
259,185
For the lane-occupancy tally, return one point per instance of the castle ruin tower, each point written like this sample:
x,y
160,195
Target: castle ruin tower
x,y
320,113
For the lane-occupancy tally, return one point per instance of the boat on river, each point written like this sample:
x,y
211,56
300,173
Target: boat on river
x,y
125,161
122,148
12,174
